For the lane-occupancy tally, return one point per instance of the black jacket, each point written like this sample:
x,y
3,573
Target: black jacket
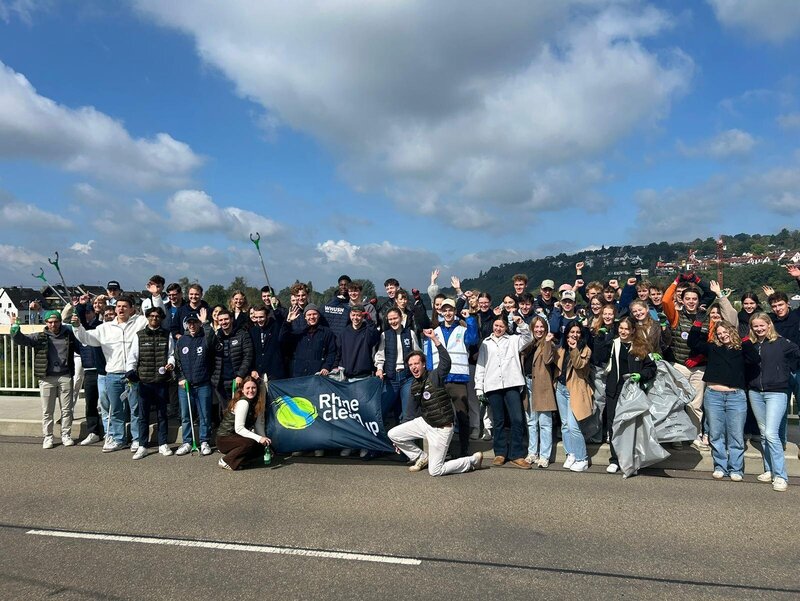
x,y
312,350
268,347
726,366
356,349
645,367
779,359
238,347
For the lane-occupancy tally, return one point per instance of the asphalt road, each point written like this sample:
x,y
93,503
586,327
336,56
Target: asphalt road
x,y
289,531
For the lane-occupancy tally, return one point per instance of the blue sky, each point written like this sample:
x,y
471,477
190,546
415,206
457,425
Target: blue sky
x,y
385,139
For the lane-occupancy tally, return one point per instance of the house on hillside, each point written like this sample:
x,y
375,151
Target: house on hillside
x,y
14,300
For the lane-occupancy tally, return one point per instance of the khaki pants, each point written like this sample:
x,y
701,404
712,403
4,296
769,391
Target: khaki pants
x,y
695,377
51,388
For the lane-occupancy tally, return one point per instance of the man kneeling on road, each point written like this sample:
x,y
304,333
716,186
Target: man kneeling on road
x,y
435,424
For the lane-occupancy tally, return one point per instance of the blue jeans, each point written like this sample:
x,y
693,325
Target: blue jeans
x,y
201,406
103,400
396,396
769,409
727,412
540,426
116,384
508,401
574,443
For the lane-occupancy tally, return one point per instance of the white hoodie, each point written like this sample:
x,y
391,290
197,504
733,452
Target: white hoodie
x,y
499,364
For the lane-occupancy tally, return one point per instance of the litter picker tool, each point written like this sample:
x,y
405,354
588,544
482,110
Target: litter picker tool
x,y
191,417
257,242
61,275
44,279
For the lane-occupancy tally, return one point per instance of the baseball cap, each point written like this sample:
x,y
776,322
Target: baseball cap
x,y
448,302
113,285
568,295
548,284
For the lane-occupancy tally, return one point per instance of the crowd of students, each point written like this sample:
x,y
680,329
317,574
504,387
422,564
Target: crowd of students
x,y
506,370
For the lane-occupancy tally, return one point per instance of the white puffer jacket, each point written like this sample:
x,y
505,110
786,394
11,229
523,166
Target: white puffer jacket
x,y
499,364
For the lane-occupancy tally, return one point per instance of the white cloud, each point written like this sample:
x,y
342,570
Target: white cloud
x,y
26,216
84,140
789,120
195,211
726,144
772,20
21,9
83,249
17,257
342,252
452,109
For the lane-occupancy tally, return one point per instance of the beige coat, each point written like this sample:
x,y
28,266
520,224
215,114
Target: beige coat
x,y
580,391
544,398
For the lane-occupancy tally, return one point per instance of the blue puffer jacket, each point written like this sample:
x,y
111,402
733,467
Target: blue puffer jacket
x,y
194,358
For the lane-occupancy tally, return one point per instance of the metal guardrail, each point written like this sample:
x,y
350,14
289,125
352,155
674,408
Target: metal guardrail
x,y
16,374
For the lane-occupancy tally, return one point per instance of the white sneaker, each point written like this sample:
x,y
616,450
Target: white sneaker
x,y
319,453
579,466
718,475
543,463
532,459
420,464
736,477
112,446
363,453
67,441
612,468
165,450
569,462
183,449
205,448
47,443
780,485
140,453
765,477
90,439
345,452
223,465
476,460
134,446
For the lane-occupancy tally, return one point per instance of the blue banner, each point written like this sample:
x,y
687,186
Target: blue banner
x,y
316,412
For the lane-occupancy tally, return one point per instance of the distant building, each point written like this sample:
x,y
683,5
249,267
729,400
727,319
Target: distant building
x,y
14,300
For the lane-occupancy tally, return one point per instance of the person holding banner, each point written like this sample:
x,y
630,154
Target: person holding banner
x,y
241,435
435,424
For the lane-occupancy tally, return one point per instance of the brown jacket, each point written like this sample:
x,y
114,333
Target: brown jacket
x,y
580,391
544,398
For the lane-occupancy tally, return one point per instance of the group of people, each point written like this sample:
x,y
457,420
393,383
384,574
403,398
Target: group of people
x,y
506,371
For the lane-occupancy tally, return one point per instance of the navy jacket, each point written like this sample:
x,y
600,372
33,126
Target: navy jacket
x,y
355,351
313,350
194,358
268,348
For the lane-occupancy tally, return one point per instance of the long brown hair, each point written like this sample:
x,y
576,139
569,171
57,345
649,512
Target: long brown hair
x,y
261,398
640,348
735,343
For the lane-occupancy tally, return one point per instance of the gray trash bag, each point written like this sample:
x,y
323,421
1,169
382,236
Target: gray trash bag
x,y
669,394
634,436
592,426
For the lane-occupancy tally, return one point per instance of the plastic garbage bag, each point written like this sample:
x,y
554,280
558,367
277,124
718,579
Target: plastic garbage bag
x,y
592,426
669,394
634,437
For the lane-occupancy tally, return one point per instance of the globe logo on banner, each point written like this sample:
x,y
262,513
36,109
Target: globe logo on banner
x,y
295,413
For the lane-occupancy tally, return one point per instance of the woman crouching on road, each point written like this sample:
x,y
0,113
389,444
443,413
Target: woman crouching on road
x,y
767,385
241,434
573,394
729,358
498,375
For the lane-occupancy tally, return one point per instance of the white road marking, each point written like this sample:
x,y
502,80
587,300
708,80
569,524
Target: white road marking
x,y
179,542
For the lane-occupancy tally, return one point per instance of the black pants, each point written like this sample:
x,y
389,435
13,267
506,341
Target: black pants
x,y
458,394
150,394
91,394
611,411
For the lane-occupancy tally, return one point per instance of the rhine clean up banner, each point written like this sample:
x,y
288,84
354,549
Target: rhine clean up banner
x,y
316,412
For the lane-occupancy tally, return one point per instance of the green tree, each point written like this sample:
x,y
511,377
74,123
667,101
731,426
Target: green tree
x,y
216,295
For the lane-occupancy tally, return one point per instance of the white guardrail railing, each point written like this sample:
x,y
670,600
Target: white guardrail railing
x,y
16,362
16,374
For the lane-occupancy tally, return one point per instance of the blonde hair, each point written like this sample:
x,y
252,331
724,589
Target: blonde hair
x,y
772,333
735,343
